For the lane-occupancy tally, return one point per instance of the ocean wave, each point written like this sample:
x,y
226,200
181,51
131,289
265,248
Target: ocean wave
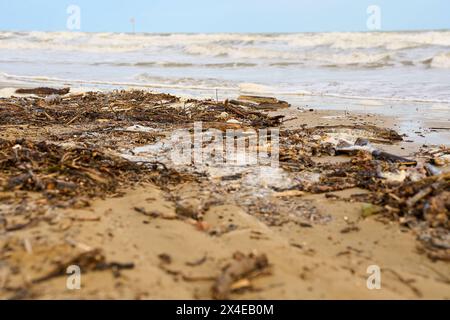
x,y
285,64
229,65
358,49
201,83
143,81
238,52
391,66
354,59
210,84
372,40
174,64
341,40
283,58
441,61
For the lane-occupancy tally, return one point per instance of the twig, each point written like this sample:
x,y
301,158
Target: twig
x,y
73,119
49,116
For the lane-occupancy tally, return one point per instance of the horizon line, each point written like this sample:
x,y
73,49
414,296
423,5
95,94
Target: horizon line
x,y
228,32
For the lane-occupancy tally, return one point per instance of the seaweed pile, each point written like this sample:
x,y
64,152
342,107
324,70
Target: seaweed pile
x,y
60,172
415,193
62,150
123,106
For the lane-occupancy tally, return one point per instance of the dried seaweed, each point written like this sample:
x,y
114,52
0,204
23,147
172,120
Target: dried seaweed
x,y
123,106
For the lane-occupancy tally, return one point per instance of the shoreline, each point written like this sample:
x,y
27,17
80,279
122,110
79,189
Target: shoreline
x,y
424,123
170,231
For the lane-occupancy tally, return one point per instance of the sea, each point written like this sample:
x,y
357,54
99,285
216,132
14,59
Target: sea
x,y
394,73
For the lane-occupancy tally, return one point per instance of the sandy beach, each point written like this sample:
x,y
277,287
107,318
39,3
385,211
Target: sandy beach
x,y
87,179
208,159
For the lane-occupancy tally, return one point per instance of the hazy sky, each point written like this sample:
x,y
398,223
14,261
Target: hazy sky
x,y
224,15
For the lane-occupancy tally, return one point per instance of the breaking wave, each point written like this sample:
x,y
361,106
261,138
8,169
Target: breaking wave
x,y
441,61
168,64
210,84
359,49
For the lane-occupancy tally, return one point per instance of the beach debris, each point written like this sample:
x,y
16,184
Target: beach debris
x,y
197,262
241,284
435,243
436,156
48,261
233,121
398,187
165,265
169,215
289,193
428,197
397,176
85,216
364,145
350,228
423,204
436,210
241,267
44,91
260,103
130,107
165,258
60,172
432,170
53,99
65,177
442,160
440,157
378,154
369,209
223,229
223,115
354,133
190,208
258,99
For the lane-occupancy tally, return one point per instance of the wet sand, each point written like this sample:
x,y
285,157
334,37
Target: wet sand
x,y
325,255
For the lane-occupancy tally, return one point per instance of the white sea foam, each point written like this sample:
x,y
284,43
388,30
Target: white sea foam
x,y
441,60
329,48
208,85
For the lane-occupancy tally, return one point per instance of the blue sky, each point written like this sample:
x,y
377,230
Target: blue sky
x,y
224,15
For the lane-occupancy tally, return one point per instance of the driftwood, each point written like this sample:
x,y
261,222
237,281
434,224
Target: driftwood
x,y
43,91
261,103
